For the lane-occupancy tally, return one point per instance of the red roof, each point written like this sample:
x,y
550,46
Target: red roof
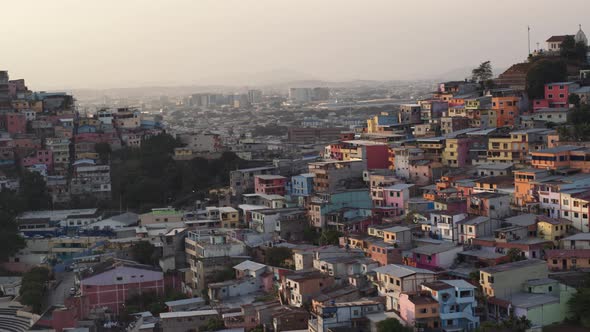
x,y
567,253
557,38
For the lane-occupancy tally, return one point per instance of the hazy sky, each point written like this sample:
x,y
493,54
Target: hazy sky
x,y
121,43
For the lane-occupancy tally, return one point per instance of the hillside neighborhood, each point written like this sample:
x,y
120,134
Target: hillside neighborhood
x,y
458,206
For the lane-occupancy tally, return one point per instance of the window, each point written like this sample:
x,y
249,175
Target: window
x,y
397,282
119,278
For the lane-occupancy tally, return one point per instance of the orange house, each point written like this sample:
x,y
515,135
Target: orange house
x,y
523,184
506,110
554,158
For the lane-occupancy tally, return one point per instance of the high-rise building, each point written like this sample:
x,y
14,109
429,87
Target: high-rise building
x,y
300,95
321,94
254,96
4,90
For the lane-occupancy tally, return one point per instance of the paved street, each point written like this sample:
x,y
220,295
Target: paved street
x,y
57,296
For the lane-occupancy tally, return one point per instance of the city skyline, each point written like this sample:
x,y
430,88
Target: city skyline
x,y
138,43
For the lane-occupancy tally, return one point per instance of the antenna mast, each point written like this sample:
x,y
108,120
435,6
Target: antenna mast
x,y
529,37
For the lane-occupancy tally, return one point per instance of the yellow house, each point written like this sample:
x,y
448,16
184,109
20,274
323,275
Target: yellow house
x,y
551,229
182,152
161,215
506,279
457,111
380,122
228,216
450,154
500,149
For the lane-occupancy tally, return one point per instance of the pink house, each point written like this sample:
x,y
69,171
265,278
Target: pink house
x,y
14,123
397,197
270,184
44,157
556,95
435,256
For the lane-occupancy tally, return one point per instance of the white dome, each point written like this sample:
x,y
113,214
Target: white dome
x,y
581,36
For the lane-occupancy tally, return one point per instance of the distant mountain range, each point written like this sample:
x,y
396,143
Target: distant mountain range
x,y
279,79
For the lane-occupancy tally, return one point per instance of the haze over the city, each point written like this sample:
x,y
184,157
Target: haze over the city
x,y
113,43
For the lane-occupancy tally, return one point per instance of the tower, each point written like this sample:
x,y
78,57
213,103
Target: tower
x,y
580,36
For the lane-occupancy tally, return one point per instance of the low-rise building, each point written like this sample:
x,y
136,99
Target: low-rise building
x,y
420,310
457,304
567,259
161,215
300,288
435,255
394,279
270,184
111,282
343,315
505,279
187,320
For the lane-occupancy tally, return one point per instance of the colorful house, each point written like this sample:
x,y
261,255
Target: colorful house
x,y
506,110
270,184
420,310
111,282
506,279
456,153
44,157
556,95
554,158
393,280
302,184
457,303
435,256
551,229
567,259
397,197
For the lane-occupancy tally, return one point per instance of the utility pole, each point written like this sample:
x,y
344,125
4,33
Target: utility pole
x,y
529,37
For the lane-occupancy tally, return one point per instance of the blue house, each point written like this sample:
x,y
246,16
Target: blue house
x,y
457,303
302,184
86,129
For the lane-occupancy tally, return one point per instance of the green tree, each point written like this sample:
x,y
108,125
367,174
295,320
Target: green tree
x,y
227,273
581,51
213,324
33,191
541,72
579,305
517,324
33,287
392,325
574,99
104,151
10,240
515,254
258,328
483,73
330,237
276,256
145,253
567,49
